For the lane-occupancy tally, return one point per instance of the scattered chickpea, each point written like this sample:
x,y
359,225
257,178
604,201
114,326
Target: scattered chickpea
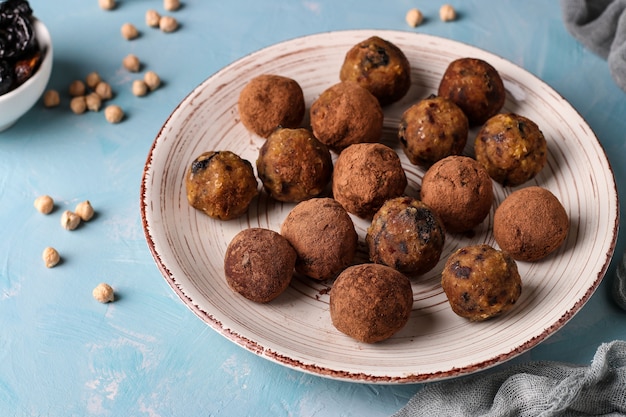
x,y
152,80
152,18
93,101
113,113
50,257
69,220
140,88
171,5
414,17
78,105
107,4
77,88
44,204
51,98
168,24
92,79
103,293
131,63
103,89
129,31
84,210
447,13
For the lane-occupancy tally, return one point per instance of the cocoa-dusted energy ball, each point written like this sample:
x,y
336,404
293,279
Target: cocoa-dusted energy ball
x,y
459,190
259,264
407,235
344,114
365,176
530,224
475,86
293,165
379,66
221,184
323,235
432,129
481,282
370,302
511,148
269,101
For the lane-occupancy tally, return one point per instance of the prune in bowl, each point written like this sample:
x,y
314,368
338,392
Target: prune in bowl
x,y
16,102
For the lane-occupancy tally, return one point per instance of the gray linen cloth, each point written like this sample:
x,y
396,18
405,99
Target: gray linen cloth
x,y
535,389
600,25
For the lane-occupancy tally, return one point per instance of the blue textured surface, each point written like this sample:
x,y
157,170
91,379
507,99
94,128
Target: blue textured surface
x,y
63,354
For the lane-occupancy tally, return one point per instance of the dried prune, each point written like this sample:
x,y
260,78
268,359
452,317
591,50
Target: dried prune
x,y
7,76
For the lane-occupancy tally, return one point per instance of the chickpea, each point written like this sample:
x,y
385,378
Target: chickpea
x,y
152,80
77,88
50,257
84,210
129,31
131,63
93,101
107,4
414,17
103,89
103,293
152,18
78,104
447,13
140,88
69,220
113,113
168,24
92,79
44,204
171,5
51,98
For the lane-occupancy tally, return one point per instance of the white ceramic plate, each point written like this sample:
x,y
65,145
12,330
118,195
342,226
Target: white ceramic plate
x,y
295,329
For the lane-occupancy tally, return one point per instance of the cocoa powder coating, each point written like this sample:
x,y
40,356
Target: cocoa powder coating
x,y
530,224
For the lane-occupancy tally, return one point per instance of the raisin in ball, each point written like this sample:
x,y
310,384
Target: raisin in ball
x,y
379,66
365,176
432,129
475,86
269,101
221,184
259,264
293,165
407,235
323,235
530,224
481,282
460,191
512,149
344,114
370,302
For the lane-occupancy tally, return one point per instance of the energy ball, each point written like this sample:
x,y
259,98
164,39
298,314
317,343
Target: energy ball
x,y
269,101
259,264
221,184
344,114
512,149
323,235
293,165
406,235
370,302
530,224
460,191
432,129
475,86
365,176
481,282
379,66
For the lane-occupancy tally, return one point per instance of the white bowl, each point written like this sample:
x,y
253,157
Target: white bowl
x,y
16,103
